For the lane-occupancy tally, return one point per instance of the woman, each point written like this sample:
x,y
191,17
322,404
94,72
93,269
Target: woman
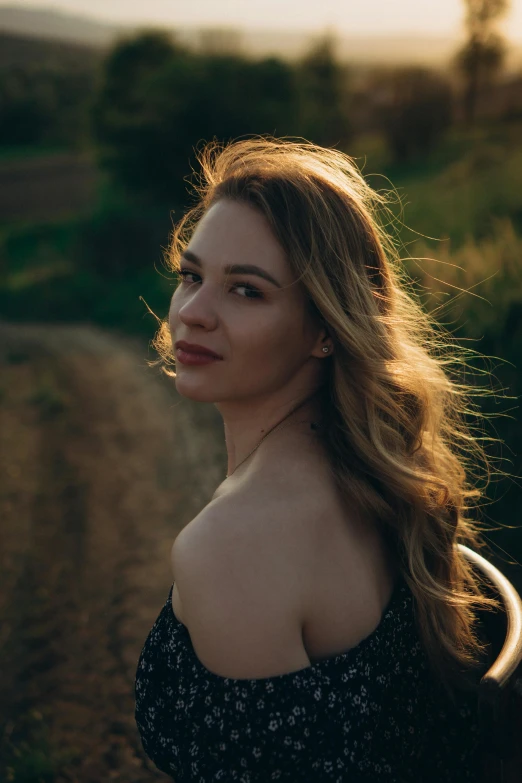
x,y
321,624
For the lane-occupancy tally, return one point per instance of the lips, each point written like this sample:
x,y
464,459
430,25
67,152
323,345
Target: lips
x,y
198,350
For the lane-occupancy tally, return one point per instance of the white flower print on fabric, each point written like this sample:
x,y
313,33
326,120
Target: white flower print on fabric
x,y
374,713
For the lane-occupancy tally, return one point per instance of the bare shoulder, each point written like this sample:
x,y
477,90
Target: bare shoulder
x,y
240,570
273,530
256,534
260,571
239,593
281,503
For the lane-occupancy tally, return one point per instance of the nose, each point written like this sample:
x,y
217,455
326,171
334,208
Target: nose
x,y
199,308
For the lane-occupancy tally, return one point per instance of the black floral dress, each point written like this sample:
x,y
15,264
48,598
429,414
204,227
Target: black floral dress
x,y
373,713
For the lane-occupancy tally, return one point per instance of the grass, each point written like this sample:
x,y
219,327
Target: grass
x,y
459,190
29,753
481,279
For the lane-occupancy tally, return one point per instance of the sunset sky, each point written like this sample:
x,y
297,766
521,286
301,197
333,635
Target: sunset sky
x,y
439,17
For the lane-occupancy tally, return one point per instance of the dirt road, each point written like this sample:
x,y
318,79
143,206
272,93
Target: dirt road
x,y
101,464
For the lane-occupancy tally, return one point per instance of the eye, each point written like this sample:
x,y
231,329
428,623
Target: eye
x,y
251,291
182,273
256,294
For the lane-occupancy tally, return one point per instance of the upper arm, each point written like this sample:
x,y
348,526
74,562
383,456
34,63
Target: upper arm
x,y
240,603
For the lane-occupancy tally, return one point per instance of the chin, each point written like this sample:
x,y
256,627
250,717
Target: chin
x,y
193,388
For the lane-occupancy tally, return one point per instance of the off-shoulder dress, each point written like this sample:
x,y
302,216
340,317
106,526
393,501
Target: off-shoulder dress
x,y
373,713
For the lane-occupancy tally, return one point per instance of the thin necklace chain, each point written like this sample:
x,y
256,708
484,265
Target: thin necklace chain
x,y
275,427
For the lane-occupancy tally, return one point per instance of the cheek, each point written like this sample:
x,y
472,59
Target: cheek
x,y
272,340
173,313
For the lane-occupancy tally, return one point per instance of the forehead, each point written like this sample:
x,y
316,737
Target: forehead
x,y
233,233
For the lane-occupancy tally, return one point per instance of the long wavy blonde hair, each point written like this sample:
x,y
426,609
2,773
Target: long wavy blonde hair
x,y
394,418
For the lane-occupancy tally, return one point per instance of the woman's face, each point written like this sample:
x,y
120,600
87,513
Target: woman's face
x,y
254,318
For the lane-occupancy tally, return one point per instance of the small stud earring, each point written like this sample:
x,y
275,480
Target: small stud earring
x,y
325,349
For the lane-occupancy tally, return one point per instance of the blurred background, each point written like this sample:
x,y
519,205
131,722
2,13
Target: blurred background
x,y
102,108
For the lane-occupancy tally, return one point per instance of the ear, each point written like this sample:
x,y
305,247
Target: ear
x,y
324,341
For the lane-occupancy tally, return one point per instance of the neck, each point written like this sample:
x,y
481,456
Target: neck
x,y
248,424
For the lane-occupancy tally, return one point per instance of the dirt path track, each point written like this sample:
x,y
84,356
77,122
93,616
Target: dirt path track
x,y
101,464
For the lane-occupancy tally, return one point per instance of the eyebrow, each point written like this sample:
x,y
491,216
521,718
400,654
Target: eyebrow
x,y
235,269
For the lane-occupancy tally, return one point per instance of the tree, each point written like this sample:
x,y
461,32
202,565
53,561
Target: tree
x,y
416,111
483,54
45,104
125,112
323,96
159,100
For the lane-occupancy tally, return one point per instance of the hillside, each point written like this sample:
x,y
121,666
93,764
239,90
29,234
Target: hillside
x,y
18,48
364,50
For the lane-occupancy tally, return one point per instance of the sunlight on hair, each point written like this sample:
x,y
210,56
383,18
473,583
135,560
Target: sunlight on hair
x,y
396,401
